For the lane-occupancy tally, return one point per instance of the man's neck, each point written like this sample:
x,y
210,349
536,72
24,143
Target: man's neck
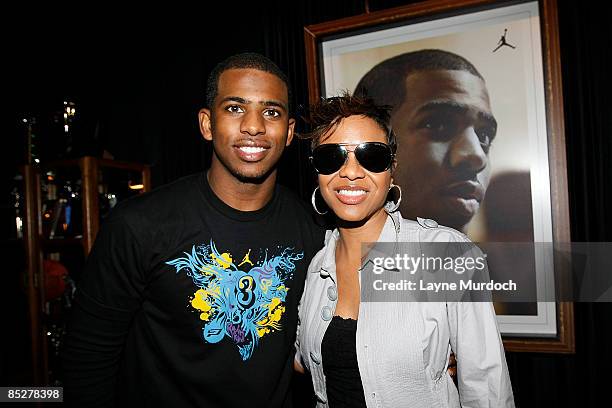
x,y
242,196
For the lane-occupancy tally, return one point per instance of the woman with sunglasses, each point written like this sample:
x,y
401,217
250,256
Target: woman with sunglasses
x,y
383,354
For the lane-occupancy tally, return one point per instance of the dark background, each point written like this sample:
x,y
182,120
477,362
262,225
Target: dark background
x,y
137,75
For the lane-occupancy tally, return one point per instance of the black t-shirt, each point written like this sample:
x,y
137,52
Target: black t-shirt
x,y
186,301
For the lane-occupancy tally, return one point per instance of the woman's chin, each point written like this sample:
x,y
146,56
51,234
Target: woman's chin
x,y
354,216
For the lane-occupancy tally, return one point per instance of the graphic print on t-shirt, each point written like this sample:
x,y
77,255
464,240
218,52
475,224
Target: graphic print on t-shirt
x,y
241,304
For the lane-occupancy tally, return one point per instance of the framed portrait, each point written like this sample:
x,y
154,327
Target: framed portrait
x,y
501,62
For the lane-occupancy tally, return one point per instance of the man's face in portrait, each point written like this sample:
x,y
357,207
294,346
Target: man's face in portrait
x,y
445,128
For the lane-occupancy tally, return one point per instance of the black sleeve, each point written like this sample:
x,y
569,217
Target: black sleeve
x,y
107,297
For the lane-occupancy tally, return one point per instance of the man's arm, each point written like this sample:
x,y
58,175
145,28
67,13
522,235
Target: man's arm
x,y
107,297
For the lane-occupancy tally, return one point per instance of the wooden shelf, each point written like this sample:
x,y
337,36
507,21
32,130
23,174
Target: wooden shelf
x,y
101,163
60,242
37,245
121,165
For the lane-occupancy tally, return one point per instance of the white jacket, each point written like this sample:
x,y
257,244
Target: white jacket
x,y
403,347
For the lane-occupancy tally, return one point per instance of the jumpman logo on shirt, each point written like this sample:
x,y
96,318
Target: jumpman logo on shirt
x,y
246,259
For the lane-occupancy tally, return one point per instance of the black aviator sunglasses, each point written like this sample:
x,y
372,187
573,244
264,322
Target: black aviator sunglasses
x,y
375,157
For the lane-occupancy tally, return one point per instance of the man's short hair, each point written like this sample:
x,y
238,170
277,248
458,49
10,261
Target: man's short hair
x,y
246,60
383,82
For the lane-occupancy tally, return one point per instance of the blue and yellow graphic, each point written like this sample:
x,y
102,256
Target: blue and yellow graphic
x,y
241,305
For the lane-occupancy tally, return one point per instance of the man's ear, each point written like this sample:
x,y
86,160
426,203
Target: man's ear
x,y
205,121
290,131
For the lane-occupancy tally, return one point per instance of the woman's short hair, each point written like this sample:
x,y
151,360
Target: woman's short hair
x,y
325,115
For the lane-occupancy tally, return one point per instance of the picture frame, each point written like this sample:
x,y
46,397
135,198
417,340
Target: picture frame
x,y
522,71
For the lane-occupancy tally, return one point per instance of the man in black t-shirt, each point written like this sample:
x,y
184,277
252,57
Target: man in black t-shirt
x,y
189,296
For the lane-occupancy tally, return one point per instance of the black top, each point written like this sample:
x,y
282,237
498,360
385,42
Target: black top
x,y
339,355
186,301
